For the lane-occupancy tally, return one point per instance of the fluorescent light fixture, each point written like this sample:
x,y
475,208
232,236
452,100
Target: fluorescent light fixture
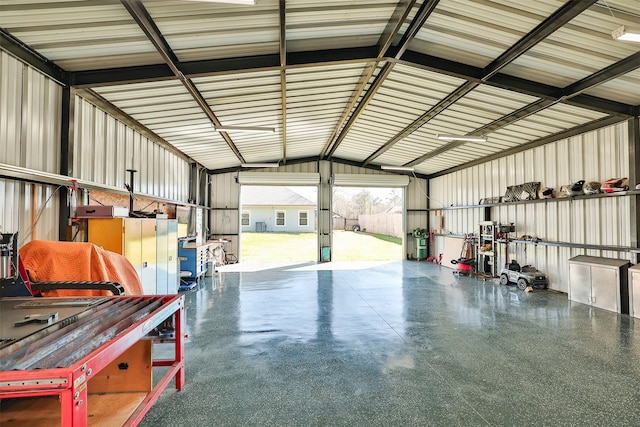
x,y
244,129
397,168
260,165
626,34
461,138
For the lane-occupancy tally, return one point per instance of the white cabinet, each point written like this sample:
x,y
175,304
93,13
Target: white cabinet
x,y
599,282
150,245
167,256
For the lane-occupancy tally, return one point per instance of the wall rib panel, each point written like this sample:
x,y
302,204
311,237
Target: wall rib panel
x,y
106,148
597,156
29,137
11,84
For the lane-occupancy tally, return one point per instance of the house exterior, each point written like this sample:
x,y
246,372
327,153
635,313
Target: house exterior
x,y
276,209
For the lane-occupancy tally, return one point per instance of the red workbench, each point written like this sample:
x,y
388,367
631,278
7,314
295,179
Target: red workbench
x,y
90,364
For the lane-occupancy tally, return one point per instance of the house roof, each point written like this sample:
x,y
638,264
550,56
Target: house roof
x,y
272,196
368,82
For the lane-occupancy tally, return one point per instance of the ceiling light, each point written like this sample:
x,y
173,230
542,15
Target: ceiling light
x,y
461,138
626,34
260,165
397,168
244,129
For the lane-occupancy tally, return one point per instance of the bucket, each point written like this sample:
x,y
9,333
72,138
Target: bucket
x,y
326,254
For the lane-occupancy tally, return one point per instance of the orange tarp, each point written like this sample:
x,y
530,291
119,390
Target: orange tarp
x,y
49,261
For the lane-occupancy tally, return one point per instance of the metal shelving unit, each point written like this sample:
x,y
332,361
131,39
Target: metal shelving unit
x,y
486,248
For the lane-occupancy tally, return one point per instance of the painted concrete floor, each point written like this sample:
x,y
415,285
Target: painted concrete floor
x,y
398,344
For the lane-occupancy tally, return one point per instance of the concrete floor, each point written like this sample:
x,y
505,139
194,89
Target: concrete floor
x,y
398,344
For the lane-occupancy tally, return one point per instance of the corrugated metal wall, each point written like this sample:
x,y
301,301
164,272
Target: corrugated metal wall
x,y
105,148
29,202
30,135
29,117
225,196
224,217
29,138
594,156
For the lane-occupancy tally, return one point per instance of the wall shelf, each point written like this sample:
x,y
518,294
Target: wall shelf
x,y
557,199
576,245
555,244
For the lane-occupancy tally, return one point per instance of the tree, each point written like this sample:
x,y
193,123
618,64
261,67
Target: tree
x,y
394,198
342,206
349,205
365,202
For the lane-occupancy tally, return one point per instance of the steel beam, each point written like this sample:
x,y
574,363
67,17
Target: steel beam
x,y
514,116
433,153
340,131
33,58
283,76
151,30
426,9
549,96
527,87
577,130
67,109
116,76
626,65
394,25
563,15
601,105
634,179
368,55
302,160
190,69
557,20
140,14
445,103
613,71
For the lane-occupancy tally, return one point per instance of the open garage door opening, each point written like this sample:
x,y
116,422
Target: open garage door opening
x,y
278,224
367,223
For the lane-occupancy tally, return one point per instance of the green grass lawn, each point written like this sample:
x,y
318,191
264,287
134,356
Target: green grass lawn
x,y
302,247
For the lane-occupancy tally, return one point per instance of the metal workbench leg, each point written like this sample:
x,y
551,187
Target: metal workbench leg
x,y
179,349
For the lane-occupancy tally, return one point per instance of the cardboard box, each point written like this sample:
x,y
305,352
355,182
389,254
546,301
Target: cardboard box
x,y
98,211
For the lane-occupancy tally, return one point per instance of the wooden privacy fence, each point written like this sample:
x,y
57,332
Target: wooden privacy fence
x,y
389,224
341,223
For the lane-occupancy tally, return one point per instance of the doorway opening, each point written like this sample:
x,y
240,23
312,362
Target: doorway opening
x,y
367,223
278,224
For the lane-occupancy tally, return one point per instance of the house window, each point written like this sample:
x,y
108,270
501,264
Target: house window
x,y
245,218
280,219
303,218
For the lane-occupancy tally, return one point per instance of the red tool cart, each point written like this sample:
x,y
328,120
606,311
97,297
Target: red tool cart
x,y
81,361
